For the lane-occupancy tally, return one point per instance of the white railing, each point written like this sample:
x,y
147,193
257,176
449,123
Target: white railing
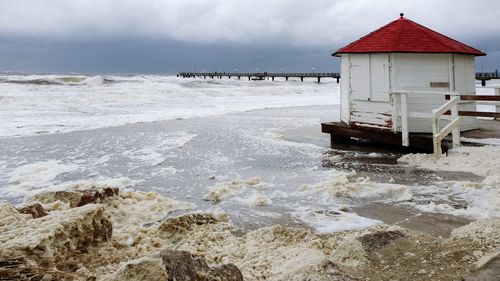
x,y
400,109
437,134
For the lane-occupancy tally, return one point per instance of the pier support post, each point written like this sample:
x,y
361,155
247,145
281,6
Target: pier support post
x,y
204,77
302,79
229,77
338,80
319,79
286,78
248,78
273,78
239,77
483,82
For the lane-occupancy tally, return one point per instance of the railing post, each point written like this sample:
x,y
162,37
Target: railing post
x,y
456,131
395,111
435,137
404,120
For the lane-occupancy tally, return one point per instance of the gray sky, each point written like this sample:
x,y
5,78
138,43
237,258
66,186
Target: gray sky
x,y
162,36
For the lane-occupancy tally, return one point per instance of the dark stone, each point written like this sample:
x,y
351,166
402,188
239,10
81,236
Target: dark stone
x,y
35,210
182,266
379,239
92,196
225,272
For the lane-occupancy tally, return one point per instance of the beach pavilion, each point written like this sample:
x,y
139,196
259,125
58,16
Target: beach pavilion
x,y
393,78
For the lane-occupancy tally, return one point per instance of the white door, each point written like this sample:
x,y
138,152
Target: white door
x,y
379,77
360,77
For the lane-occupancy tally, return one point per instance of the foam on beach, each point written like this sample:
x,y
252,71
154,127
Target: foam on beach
x,y
348,185
123,233
482,198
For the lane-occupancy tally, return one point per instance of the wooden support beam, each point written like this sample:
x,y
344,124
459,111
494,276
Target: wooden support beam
x,y
302,79
477,97
319,79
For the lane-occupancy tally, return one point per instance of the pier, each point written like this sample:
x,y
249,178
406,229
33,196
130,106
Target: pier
x,y
261,75
482,76
485,76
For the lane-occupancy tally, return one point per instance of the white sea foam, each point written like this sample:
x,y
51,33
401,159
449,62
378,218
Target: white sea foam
x,y
483,161
36,175
60,103
482,198
223,190
325,221
347,185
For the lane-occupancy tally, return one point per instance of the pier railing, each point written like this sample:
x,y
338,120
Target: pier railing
x,y
261,75
482,76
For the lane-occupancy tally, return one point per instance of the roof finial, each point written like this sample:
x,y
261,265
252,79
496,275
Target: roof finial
x,y
401,14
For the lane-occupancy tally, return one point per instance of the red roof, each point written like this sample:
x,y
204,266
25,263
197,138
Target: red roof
x,y
406,36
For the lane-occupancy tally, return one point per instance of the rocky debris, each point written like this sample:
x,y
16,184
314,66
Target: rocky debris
x,y
184,223
146,268
95,195
379,239
53,241
75,198
180,266
35,210
70,197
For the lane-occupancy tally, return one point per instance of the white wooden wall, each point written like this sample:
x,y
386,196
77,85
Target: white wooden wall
x,y
419,71
367,79
365,90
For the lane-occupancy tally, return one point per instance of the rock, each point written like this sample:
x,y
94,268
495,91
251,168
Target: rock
x,y
183,223
379,239
35,210
180,266
146,268
75,198
70,197
94,195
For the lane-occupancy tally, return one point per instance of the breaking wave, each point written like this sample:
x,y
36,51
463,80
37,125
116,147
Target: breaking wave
x,y
60,80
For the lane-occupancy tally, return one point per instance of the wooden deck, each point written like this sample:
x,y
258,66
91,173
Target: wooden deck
x,y
340,132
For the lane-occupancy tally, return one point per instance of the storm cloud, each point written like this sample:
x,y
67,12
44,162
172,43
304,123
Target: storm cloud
x,y
152,36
